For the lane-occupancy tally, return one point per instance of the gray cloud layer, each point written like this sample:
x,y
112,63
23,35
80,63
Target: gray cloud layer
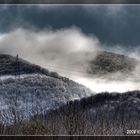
x,y
112,24
66,51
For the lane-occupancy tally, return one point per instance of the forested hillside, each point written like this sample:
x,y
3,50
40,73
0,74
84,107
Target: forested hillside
x,y
35,101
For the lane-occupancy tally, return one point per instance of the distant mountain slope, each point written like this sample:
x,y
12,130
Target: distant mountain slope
x,y
108,62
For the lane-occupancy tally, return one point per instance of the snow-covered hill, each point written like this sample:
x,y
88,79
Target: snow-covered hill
x,y
27,89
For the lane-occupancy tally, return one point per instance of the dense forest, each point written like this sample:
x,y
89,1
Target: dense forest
x,y
35,101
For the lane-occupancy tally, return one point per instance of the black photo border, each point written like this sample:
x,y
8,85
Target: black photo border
x,y
2,2
69,1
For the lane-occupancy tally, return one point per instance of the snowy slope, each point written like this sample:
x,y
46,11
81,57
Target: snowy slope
x,y
33,94
27,89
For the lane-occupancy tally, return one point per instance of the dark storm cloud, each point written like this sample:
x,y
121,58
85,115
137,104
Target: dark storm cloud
x,y
112,24
71,1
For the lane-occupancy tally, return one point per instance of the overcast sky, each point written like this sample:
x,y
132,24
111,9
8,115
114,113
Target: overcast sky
x,y
64,38
112,24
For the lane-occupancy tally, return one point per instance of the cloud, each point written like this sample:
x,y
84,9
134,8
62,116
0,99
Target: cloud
x,y
68,49
112,24
103,85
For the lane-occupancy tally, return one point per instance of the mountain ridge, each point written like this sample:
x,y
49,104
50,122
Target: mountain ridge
x,y
30,89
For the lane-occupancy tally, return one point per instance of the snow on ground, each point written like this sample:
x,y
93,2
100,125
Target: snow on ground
x,y
34,93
